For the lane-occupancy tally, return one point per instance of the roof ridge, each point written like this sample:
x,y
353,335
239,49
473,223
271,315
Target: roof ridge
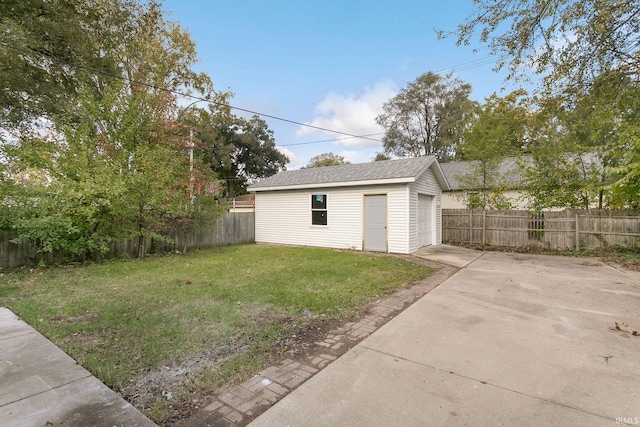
x,y
353,172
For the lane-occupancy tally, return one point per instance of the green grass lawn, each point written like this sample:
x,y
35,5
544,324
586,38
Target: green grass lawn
x,y
124,319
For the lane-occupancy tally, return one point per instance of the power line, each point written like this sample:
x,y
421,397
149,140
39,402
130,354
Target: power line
x,y
327,140
178,93
456,68
467,65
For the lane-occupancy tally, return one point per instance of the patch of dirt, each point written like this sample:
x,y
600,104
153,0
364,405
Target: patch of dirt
x,y
631,264
174,381
591,264
301,342
177,385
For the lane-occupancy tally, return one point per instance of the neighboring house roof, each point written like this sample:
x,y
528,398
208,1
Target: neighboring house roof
x,y
508,168
512,168
382,172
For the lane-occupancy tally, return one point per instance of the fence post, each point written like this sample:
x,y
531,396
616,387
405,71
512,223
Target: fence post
x,y
577,232
470,227
484,227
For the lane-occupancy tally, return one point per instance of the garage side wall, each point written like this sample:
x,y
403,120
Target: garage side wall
x,y
284,217
425,184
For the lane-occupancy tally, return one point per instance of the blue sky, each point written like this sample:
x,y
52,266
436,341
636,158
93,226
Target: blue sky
x,y
328,63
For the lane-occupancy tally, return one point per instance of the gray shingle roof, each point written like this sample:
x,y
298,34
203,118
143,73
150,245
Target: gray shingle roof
x,y
373,171
511,168
508,169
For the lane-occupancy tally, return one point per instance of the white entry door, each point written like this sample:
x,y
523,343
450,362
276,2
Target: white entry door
x,y
375,223
425,225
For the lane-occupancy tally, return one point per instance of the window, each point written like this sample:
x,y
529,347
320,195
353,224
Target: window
x,y
319,209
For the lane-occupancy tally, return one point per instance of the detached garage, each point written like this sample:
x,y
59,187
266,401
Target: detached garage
x,y
387,206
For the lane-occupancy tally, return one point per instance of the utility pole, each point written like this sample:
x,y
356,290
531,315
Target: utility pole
x,y
190,146
191,177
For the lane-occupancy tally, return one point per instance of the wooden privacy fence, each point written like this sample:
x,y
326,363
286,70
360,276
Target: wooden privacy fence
x,y
571,229
228,229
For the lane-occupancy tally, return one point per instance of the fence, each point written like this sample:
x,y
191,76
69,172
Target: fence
x,y
228,229
560,230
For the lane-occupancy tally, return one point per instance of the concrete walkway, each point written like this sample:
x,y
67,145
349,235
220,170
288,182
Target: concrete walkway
x,y
41,386
511,339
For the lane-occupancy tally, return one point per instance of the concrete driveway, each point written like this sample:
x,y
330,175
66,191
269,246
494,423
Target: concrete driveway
x,y
510,339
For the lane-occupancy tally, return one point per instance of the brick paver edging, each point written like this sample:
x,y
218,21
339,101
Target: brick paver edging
x,y
244,402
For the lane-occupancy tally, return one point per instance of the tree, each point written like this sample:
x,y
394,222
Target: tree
x,y
33,32
381,157
427,117
496,131
583,50
583,149
326,159
239,150
556,174
570,42
115,161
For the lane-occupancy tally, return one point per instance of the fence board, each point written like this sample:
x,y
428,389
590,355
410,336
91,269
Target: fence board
x,y
228,229
560,230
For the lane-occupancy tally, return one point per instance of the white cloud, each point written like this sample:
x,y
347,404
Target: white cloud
x,y
295,162
352,113
356,156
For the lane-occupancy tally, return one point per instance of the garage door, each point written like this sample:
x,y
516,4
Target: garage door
x,y
425,223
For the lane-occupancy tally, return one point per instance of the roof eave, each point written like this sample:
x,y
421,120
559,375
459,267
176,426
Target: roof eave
x,y
403,180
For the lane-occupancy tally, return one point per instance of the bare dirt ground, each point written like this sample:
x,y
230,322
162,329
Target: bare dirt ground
x,y
178,383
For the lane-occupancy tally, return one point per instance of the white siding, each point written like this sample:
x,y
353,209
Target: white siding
x,y
397,218
453,200
425,184
285,217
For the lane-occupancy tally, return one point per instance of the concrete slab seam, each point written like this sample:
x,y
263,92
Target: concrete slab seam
x,y
21,334
48,390
552,402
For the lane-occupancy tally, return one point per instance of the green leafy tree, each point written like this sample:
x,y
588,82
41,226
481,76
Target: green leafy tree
x,y
583,149
557,175
496,131
326,159
607,124
33,32
568,42
427,117
246,153
239,150
381,157
560,172
115,163
588,56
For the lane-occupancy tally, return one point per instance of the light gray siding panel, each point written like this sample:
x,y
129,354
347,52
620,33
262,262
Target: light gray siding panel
x,y
398,215
425,184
